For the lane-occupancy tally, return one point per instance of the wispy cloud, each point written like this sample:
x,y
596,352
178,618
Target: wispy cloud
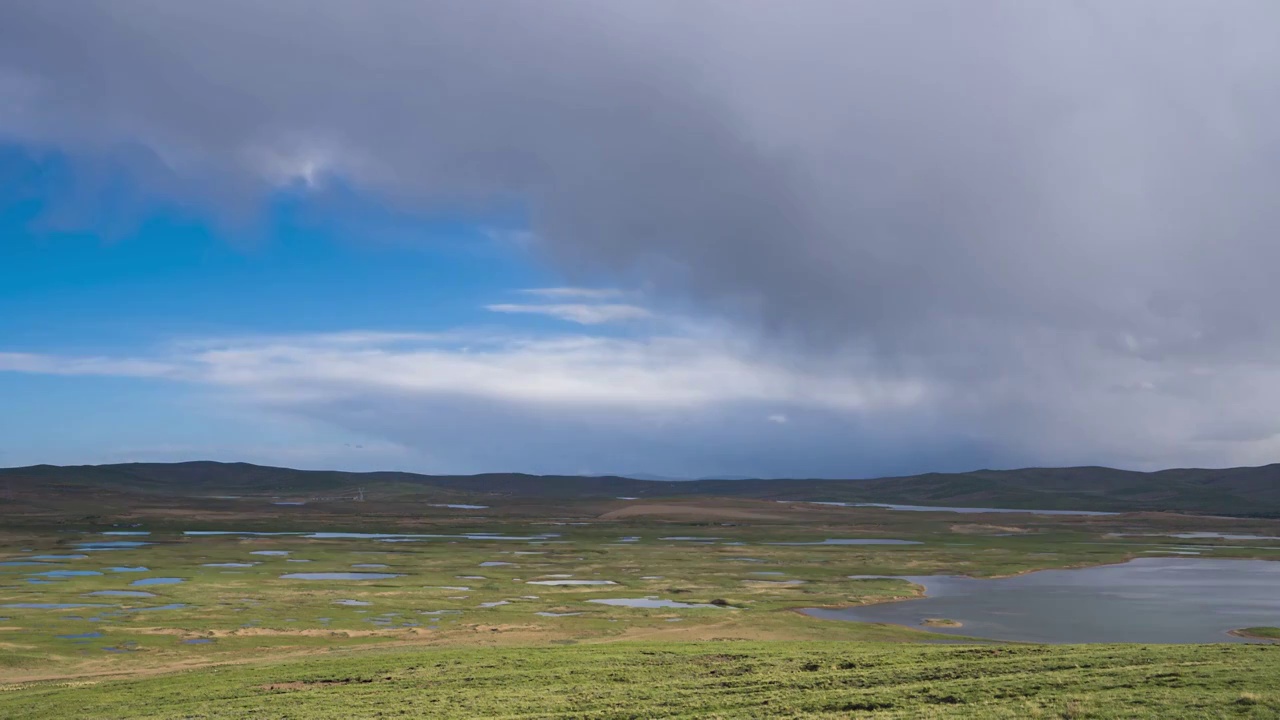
x,y
569,370
578,312
575,292
115,367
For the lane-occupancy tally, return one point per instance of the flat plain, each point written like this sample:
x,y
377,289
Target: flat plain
x,y
482,605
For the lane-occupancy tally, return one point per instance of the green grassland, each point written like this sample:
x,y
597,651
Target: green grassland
x,y
700,680
456,636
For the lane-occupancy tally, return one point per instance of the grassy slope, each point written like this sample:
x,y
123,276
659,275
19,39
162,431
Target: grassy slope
x,y
706,680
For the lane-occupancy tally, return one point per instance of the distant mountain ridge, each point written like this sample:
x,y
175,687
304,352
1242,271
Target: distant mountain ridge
x,y
1235,491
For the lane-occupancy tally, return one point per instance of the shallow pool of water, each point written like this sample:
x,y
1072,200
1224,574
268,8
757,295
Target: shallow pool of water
x,y
460,506
338,576
158,581
111,545
495,563
272,553
119,593
1148,600
369,566
127,569
173,606
229,565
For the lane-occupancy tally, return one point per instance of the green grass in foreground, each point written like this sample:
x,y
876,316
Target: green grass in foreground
x,y
703,680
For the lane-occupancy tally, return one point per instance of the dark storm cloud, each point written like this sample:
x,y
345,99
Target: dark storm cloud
x,y
1060,216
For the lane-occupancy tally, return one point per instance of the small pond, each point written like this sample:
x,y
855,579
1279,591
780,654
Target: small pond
x,y
158,581
1148,600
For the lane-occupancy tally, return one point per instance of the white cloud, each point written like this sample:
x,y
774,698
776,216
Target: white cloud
x,y
575,292
54,365
579,313
778,418
654,373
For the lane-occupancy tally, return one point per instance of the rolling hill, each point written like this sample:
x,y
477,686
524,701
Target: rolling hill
x,y
1252,491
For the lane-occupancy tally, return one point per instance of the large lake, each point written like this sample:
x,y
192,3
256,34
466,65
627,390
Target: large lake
x,y
1149,600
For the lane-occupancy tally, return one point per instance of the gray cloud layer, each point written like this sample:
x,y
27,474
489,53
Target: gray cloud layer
x,y
1060,217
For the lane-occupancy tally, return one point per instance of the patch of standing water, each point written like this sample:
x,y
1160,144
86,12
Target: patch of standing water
x,y
368,566
495,603
460,506
495,563
1147,600
158,581
119,593
197,641
67,573
229,565
128,532
650,602
544,613
129,569
338,576
691,538
352,603
174,606
272,553
24,563
80,636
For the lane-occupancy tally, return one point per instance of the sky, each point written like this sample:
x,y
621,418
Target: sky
x,y
683,238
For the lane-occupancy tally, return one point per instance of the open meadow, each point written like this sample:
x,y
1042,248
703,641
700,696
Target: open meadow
x,y
233,607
